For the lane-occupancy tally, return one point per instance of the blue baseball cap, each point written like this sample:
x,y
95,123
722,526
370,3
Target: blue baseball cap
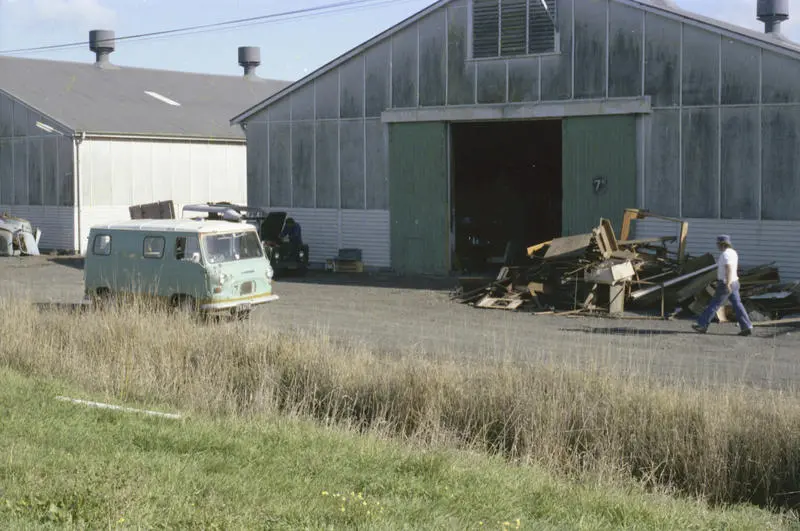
x,y
724,238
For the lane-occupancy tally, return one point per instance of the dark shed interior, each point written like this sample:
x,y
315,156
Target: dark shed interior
x,y
506,188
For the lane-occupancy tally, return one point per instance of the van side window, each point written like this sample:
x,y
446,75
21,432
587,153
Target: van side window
x,y
185,247
154,247
102,245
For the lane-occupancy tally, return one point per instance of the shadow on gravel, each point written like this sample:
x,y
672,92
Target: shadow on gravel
x,y
69,261
625,331
372,280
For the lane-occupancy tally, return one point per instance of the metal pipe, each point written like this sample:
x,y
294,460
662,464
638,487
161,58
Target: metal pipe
x,y
652,289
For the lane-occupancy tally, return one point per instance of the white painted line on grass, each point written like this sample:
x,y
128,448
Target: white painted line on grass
x,y
119,408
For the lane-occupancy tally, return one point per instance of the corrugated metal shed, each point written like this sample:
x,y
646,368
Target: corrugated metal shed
x,y
96,100
368,230
778,42
56,223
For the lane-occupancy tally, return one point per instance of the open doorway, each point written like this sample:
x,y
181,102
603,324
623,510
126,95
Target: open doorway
x,y
506,188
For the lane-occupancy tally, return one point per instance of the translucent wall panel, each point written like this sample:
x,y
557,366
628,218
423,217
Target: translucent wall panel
x,y
740,72
626,26
432,66
6,172
404,68
35,184
780,158
700,194
20,172
257,164
303,103
327,164
662,167
523,80
21,119
328,95
280,183
557,69
143,185
740,163
781,78
662,60
701,60
50,175
377,166
378,81
352,164
461,75
303,164
352,83
590,49
123,174
6,117
492,82
281,110
66,172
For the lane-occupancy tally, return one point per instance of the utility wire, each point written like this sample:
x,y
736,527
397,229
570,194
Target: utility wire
x,y
296,13
373,4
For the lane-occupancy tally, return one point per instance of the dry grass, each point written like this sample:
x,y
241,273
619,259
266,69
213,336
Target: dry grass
x,y
726,444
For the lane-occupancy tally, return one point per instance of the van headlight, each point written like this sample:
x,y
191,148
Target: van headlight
x,y
301,254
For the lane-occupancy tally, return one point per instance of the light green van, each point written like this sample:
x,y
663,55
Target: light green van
x,y
209,266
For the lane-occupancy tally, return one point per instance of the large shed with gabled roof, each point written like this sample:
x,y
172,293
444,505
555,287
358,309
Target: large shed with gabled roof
x,y
82,142
476,122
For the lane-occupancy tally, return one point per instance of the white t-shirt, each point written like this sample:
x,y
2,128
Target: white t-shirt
x,y
728,257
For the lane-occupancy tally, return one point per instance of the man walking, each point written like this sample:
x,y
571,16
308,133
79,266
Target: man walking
x,y
727,286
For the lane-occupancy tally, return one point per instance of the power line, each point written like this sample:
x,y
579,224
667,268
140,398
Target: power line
x,y
375,3
191,30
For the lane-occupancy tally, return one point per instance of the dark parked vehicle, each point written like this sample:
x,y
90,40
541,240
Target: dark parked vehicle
x,y
284,254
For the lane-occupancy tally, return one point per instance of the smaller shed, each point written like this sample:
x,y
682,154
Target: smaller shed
x,y
82,142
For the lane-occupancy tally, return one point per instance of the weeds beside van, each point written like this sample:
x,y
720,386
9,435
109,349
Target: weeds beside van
x,y
210,266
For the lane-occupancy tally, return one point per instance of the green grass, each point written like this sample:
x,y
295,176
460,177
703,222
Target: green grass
x,y
67,465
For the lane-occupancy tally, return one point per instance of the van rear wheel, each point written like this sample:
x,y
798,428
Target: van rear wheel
x,y
183,303
102,298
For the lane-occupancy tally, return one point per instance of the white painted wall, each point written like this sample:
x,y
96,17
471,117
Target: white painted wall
x,y
328,230
757,242
115,174
56,223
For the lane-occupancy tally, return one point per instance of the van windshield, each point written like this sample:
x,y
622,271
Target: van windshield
x,y
230,247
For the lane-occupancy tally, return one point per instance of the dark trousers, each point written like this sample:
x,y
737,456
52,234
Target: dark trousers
x,y
720,296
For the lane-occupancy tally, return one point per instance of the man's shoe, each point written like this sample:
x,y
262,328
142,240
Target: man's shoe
x,y
700,329
746,332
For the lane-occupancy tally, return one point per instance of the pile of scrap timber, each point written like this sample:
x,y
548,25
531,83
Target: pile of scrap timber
x,y
597,272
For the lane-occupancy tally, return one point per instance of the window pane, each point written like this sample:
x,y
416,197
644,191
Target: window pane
x,y
102,244
153,247
485,28
513,27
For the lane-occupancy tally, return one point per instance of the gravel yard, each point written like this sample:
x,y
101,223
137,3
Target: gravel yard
x,y
415,316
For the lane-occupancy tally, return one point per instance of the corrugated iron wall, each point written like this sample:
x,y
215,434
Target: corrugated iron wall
x,y
721,143
56,223
36,173
757,242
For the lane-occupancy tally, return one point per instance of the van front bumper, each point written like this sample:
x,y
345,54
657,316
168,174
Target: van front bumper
x,y
241,305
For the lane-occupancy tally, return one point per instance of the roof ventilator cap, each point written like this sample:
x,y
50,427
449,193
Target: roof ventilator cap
x,y
101,42
772,13
249,59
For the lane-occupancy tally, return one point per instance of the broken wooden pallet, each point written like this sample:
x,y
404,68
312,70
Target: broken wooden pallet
x,y
503,303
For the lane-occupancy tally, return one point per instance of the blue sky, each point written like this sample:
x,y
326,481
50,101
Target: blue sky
x,y
289,49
